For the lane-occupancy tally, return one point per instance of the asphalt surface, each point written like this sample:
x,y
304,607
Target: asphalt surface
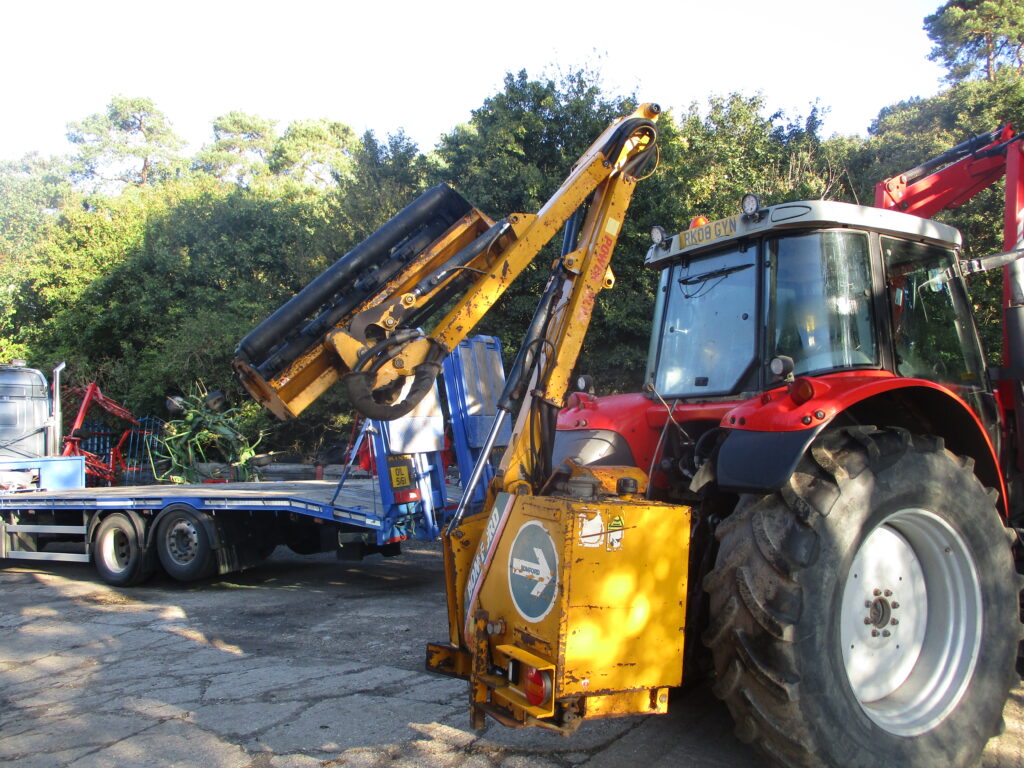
x,y
302,662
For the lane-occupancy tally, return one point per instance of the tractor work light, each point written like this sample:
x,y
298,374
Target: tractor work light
x,y
781,366
750,205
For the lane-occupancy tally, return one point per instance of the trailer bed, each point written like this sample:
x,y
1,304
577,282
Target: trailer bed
x,y
358,500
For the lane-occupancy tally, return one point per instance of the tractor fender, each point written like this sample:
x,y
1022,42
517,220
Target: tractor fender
x,y
760,462
760,450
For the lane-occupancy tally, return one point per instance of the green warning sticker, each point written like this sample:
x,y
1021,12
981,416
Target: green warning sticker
x,y
616,529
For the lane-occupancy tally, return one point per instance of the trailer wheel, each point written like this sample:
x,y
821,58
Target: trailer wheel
x,y
866,614
117,554
183,545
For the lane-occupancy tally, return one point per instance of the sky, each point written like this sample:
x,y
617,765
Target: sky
x,y
424,66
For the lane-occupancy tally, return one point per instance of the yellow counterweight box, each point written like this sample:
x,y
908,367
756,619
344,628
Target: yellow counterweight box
x,y
576,608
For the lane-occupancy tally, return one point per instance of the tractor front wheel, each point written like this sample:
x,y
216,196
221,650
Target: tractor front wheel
x,y
866,614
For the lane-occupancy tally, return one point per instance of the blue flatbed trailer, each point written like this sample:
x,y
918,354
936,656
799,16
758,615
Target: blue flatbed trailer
x,y
194,531
357,503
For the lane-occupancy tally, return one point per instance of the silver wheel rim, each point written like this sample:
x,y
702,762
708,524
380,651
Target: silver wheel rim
x,y
182,541
116,550
911,622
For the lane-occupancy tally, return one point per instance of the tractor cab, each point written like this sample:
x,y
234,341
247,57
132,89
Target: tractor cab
x,y
818,287
816,291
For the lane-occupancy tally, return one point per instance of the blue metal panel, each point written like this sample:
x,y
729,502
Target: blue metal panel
x,y
54,473
473,379
419,435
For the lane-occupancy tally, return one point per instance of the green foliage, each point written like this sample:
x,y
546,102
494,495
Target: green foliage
x,y
31,189
148,285
201,435
317,152
241,148
205,261
130,142
734,149
977,37
31,192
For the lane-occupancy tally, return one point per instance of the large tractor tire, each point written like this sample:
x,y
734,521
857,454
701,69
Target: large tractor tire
x,y
866,614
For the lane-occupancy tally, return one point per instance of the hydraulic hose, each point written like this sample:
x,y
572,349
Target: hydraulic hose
x,y
359,382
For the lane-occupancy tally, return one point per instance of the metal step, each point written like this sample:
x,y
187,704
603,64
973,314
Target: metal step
x,y
26,528
64,556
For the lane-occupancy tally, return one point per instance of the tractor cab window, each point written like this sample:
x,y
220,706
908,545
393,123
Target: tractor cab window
x,y
819,308
708,334
933,334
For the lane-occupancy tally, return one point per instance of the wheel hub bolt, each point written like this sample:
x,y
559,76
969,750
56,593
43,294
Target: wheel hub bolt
x,y
894,622
895,604
885,633
874,633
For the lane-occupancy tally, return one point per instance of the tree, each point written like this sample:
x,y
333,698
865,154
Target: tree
x,y
977,36
198,263
31,189
241,148
512,155
906,134
130,142
386,176
316,152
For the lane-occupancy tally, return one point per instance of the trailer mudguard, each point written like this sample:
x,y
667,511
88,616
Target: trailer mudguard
x,y
207,521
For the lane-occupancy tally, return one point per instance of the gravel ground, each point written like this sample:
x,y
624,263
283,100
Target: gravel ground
x,y
302,662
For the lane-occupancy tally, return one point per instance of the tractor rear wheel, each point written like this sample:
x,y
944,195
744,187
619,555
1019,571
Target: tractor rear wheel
x,y
866,614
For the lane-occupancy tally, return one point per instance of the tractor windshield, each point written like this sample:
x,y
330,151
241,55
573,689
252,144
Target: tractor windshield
x,y
709,330
818,308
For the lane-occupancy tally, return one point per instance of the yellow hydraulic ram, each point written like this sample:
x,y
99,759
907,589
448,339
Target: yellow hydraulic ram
x,y
566,594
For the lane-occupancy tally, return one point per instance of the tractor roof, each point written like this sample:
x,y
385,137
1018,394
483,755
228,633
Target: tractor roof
x,y
810,214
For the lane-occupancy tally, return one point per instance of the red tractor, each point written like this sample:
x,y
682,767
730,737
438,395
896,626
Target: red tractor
x,y
817,392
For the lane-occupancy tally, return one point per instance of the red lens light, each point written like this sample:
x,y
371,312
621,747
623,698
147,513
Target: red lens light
x,y
698,221
536,685
801,391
